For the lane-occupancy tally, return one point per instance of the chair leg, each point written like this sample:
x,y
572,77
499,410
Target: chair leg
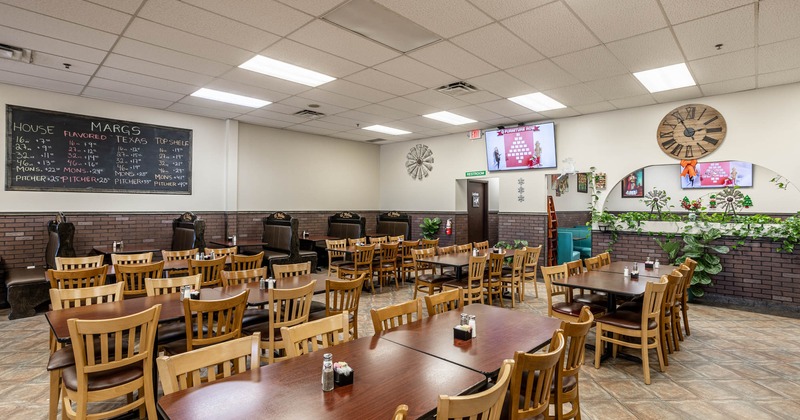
x,y
645,360
55,393
684,308
676,329
661,358
598,346
522,290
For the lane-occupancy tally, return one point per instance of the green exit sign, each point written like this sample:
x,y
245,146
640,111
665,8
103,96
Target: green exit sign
x,y
476,173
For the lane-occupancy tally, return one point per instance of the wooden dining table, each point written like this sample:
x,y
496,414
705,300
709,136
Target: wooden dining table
x,y
385,375
458,260
240,242
259,296
500,333
619,267
613,284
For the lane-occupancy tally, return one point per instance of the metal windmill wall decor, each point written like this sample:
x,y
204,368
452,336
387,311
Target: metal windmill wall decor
x,y
419,162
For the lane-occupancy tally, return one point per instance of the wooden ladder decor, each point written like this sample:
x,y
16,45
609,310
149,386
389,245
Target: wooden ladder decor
x,y
552,233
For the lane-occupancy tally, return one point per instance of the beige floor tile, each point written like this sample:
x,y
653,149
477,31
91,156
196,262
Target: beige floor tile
x,y
603,410
628,389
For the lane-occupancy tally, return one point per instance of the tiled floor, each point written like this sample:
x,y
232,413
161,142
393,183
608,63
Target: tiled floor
x,y
735,365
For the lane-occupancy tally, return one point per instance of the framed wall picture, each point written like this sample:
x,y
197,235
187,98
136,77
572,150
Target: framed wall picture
x,y
583,182
633,184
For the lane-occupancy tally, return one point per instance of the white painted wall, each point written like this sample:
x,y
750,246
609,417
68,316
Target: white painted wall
x,y
208,158
285,170
761,129
572,200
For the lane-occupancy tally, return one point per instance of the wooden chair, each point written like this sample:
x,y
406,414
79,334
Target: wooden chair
x,y
395,315
162,286
61,356
387,264
491,282
669,337
378,240
680,292
101,373
133,276
125,259
208,269
512,281
692,264
356,241
209,322
472,286
444,301
423,281
605,258
592,263
72,279
398,238
78,263
464,248
447,250
568,310
342,296
533,378
486,405
315,335
222,252
401,412
233,278
283,271
247,262
530,268
208,364
361,264
286,308
335,258
481,246
575,267
429,243
570,366
635,325
187,254
406,258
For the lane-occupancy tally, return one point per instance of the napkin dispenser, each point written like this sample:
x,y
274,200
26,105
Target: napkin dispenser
x,y
462,332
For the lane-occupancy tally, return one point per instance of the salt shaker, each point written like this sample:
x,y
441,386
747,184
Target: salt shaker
x,y
270,283
625,272
656,264
473,325
327,372
474,252
234,239
464,319
262,284
635,268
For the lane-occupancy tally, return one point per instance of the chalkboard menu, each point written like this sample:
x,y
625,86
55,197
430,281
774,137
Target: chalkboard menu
x,y
56,151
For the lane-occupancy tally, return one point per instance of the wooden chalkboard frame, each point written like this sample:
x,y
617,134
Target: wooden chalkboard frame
x,y
11,160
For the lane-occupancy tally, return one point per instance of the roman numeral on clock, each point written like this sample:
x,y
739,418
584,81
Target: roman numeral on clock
x,y
667,144
690,111
689,153
711,120
714,130
665,134
701,148
677,149
710,140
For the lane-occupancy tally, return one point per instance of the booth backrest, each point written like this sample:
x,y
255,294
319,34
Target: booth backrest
x,y
394,224
280,233
581,239
347,225
566,251
188,232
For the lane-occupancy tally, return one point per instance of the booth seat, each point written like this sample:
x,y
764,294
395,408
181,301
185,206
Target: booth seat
x,y
188,232
566,251
581,239
394,223
283,242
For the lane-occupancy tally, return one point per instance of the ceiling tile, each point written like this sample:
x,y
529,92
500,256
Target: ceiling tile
x,y
414,71
591,64
311,130
78,11
579,94
332,39
326,125
386,111
144,80
338,119
729,86
476,113
116,86
777,20
252,119
382,81
40,83
357,135
410,106
507,8
681,94
57,62
647,51
619,19
560,113
593,108
44,72
724,67
147,52
502,84
498,46
683,10
203,112
314,7
278,108
461,16
451,59
231,109
616,87
332,98
633,101
779,78
543,75
303,103
779,56
505,107
125,98
436,99
55,28
735,29
127,6
231,86
354,90
478,97
155,70
266,14
365,118
311,58
543,28
252,78
268,112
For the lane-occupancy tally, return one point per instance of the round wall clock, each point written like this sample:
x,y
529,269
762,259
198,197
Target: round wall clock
x,y
419,161
691,131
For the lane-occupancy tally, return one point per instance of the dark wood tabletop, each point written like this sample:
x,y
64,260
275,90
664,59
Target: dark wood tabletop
x,y
129,249
619,267
258,296
385,375
168,266
501,332
240,242
605,281
460,259
317,238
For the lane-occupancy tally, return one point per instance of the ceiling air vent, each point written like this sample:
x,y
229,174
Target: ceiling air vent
x,y
15,53
307,113
375,140
457,89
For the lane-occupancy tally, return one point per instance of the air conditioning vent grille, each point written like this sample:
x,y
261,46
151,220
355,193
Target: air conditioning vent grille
x,y
457,89
309,113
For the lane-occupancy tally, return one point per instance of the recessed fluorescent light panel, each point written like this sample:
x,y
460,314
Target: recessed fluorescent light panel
x,y
230,98
285,71
666,78
449,117
537,102
387,130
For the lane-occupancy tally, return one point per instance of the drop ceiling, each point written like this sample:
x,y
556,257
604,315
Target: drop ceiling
x,y
155,53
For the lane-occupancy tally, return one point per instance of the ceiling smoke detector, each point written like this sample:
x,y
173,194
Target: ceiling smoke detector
x,y
15,53
457,89
307,113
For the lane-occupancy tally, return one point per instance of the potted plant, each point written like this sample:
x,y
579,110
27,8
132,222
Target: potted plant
x,y
699,248
518,244
430,227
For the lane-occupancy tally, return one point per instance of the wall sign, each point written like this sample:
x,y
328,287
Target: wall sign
x,y
419,162
56,151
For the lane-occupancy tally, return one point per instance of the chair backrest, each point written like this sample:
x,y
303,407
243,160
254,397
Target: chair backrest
x,y
133,276
363,256
208,364
463,248
687,282
222,252
674,281
388,253
477,265
575,345
653,299
401,412
495,266
395,315
486,405
70,298
356,241
315,335
481,246
575,267
418,254
289,307
550,274
592,263
398,238
247,262
72,279
532,257
186,254
213,321
208,269
447,250
232,278
429,243
378,239
518,263
332,244
125,259
533,375
684,284
343,295
78,263
444,301
605,258
283,271
163,286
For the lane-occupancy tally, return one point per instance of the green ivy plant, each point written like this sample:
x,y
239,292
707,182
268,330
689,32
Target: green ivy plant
x,y
430,227
699,247
518,244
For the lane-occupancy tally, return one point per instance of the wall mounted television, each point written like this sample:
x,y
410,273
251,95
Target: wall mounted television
x,y
719,175
524,147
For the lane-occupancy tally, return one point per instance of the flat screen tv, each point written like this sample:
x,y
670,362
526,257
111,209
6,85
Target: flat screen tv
x,y
718,175
524,147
